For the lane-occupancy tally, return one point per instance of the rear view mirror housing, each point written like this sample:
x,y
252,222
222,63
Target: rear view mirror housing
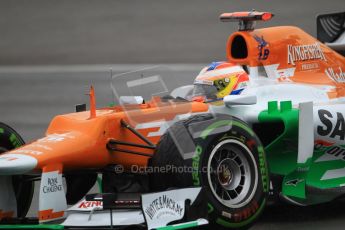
x,y
231,100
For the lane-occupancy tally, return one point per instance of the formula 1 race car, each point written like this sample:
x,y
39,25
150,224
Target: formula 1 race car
x,y
269,120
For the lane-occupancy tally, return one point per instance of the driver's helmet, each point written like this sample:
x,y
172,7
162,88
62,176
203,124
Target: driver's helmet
x,y
218,80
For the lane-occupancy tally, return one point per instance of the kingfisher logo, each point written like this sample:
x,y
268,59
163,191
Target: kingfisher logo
x,y
304,53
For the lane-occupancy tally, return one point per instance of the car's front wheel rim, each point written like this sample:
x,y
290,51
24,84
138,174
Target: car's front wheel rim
x,y
232,173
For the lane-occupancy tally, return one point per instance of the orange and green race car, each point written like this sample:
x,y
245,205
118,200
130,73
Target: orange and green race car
x,y
268,120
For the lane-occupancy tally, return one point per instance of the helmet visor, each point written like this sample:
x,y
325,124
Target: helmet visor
x,y
209,92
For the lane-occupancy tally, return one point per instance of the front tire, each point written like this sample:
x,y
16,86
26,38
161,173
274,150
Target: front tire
x,y
229,164
23,188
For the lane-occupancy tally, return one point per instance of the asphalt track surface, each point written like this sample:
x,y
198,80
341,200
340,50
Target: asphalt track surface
x,y
134,31
31,97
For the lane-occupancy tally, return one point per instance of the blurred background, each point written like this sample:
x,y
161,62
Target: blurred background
x,y
51,51
57,32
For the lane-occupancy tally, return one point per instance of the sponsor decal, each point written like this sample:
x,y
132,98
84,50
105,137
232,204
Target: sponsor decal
x,y
203,82
329,128
262,47
163,205
41,146
53,138
282,76
52,185
247,212
304,53
336,75
294,182
303,169
52,198
242,85
310,66
5,158
337,151
331,152
162,208
226,214
321,146
28,151
90,204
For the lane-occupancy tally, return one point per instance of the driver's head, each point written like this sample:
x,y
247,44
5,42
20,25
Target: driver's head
x,y
218,80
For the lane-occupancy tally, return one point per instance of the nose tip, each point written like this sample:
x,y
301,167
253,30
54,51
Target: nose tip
x,y
13,164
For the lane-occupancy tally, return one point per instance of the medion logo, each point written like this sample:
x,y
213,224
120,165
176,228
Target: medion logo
x,y
337,76
163,203
305,52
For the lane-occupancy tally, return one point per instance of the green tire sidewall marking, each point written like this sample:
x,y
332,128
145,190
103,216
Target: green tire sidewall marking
x,y
195,165
14,140
210,208
213,126
12,137
263,169
218,124
241,125
224,223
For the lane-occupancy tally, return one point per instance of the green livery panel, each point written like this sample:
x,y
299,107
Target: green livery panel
x,y
321,178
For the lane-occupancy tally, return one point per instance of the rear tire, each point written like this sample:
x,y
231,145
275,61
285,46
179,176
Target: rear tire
x,y
24,189
230,165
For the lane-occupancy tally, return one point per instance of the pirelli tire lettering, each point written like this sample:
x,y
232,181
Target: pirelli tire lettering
x,y
234,160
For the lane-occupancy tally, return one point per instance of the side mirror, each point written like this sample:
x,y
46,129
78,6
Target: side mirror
x,y
231,100
131,100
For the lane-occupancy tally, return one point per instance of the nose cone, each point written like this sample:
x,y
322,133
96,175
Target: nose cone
x,y
13,164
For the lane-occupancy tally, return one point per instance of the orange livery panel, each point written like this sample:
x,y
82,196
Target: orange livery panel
x,y
76,142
